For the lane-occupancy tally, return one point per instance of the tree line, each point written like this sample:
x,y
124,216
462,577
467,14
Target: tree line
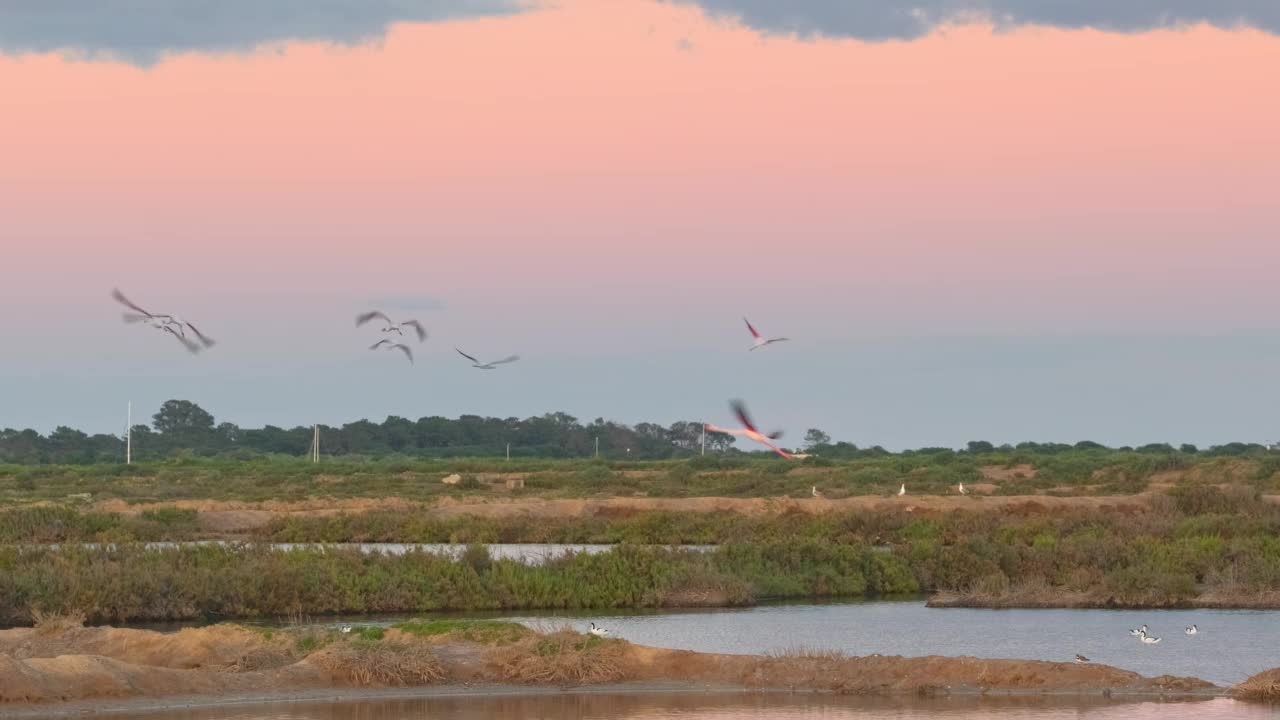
x,y
181,426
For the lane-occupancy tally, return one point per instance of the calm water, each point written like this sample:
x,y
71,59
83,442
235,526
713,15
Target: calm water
x,y
658,706
1231,644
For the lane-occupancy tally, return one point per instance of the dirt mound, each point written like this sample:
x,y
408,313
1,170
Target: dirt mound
x,y
208,647
824,671
1263,687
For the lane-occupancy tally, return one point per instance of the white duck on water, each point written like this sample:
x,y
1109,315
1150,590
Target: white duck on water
x,y
1147,639
1192,630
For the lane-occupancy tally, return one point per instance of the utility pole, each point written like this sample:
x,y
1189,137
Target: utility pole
x,y
508,452
128,435
704,438
315,443
597,446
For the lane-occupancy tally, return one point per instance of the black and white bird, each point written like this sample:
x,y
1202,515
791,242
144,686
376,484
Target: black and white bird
x,y
385,343
392,326
597,631
760,340
489,365
1081,659
1193,630
171,324
1147,639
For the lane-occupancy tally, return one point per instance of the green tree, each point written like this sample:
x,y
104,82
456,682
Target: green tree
x,y
813,437
181,417
981,446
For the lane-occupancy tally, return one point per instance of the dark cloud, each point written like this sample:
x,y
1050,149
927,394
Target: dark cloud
x,y
901,19
142,31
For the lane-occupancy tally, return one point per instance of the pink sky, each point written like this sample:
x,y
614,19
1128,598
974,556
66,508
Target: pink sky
x,y
546,151
644,170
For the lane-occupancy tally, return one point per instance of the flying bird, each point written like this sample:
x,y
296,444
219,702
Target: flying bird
x,y
1081,659
385,343
171,324
489,365
760,340
749,430
392,326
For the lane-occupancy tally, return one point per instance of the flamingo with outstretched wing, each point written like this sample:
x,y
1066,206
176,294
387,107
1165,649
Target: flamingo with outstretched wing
x,y
749,430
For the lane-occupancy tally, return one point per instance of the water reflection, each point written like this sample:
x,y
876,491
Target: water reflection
x,y
733,706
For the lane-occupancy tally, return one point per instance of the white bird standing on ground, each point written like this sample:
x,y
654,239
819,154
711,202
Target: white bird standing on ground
x,y
1192,630
171,324
598,631
345,629
385,343
815,491
489,365
962,490
392,326
902,490
760,340
749,430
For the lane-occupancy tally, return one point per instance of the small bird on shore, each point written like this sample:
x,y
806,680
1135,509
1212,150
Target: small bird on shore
x,y
345,629
1192,630
960,487
392,326
1081,659
902,490
815,492
385,343
598,631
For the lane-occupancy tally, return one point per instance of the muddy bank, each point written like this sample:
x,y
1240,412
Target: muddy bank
x,y
68,664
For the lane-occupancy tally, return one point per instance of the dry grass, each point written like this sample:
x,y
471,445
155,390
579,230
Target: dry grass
x,y
807,653
391,664
56,623
1263,687
563,657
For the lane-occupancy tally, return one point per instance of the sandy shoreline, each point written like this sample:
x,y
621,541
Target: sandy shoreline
x,y
72,670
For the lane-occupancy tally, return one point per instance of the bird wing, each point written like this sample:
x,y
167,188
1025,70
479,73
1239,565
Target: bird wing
x,y
507,359
774,340
379,344
752,329
204,340
407,352
778,450
472,359
190,346
120,298
134,317
740,410
774,435
363,318
422,334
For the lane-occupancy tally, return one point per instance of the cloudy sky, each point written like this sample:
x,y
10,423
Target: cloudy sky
x,y
1002,220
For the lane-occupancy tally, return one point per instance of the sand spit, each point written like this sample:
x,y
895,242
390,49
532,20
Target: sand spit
x,y
55,667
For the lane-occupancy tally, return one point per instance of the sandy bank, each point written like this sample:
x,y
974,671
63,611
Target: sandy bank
x,y
82,664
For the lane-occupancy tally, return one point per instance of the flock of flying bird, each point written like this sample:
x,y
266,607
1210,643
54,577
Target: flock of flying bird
x,y
178,328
